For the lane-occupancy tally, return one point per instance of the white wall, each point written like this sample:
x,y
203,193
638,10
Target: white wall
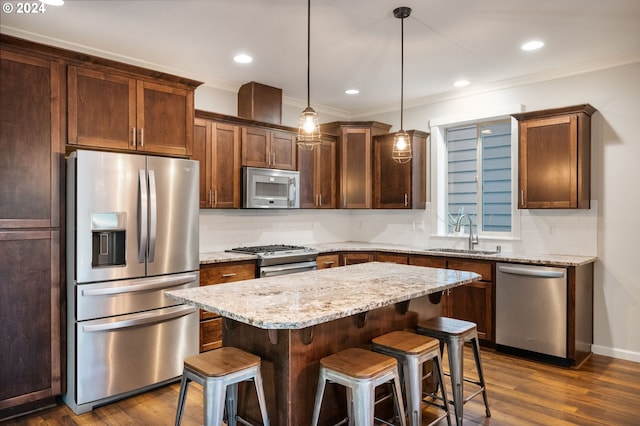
x,y
610,229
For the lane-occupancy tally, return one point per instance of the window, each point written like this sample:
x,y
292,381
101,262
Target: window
x,y
478,176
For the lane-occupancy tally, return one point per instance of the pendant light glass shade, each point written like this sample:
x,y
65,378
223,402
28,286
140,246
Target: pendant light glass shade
x,y
309,128
402,150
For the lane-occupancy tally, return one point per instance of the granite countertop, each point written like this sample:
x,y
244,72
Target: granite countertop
x,y
305,299
224,256
514,257
530,258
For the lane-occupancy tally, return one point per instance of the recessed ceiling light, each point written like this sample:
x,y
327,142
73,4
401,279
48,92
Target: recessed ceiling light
x,y
532,45
53,2
461,83
242,58
352,91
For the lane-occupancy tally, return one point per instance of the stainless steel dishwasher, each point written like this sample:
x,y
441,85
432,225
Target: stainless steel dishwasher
x,y
531,310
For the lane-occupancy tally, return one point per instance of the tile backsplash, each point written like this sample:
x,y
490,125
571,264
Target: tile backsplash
x,y
541,231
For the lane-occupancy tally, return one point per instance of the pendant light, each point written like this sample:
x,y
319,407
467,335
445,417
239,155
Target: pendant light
x,y
401,152
309,129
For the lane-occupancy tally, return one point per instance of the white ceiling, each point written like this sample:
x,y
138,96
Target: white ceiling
x,y
354,43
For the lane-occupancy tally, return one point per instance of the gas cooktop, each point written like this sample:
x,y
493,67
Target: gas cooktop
x,y
270,249
279,253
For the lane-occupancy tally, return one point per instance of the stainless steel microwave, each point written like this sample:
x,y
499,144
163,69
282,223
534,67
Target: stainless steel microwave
x,y
270,188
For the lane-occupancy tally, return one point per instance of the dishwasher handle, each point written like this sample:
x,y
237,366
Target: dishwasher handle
x,y
531,271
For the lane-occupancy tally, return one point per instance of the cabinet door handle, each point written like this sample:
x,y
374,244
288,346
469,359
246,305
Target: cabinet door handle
x,y
320,197
406,200
215,198
522,197
135,133
142,137
229,275
209,202
329,262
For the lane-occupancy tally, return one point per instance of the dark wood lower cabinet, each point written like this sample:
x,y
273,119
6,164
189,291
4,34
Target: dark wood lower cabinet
x,y
220,273
356,257
30,316
471,302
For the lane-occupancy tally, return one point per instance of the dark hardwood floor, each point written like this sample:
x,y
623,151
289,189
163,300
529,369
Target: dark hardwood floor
x,y
604,391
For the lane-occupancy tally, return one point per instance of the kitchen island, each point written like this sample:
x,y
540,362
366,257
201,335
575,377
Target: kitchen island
x,y
292,321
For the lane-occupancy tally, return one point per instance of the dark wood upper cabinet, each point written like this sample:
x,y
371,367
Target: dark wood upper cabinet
x,y
217,147
355,161
113,110
30,141
318,175
555,158
270,148
396,185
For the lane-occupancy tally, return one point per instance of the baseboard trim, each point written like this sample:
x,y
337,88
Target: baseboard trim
x,y
616,353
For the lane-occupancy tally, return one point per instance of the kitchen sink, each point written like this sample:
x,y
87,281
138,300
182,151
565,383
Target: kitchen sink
x,y
462,251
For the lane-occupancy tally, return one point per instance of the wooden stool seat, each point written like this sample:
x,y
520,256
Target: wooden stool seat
x,y
220,362
448,326
454,333
219,371
405,341
360,371
411,351
359,363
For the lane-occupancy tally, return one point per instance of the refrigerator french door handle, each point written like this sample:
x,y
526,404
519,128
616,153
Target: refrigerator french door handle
x,y
153,215
142,216
144,285
142,319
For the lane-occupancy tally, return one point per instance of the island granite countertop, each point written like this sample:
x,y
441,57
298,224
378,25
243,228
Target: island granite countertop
x,y
305,299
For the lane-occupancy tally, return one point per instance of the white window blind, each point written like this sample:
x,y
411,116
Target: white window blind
x,y
479,175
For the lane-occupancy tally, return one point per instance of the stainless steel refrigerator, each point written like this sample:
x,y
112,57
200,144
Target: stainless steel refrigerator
x,y
132,233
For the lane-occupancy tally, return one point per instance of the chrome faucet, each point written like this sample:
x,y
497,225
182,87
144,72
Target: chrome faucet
x,y
473,239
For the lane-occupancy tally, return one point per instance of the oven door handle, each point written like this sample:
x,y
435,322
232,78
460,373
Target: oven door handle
x,y
269,271
145,318
143,285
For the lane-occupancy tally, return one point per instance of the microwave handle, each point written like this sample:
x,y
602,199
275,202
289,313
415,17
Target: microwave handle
x,y
292,191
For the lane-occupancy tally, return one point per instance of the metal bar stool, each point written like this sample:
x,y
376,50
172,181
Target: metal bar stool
x,y
412,351
219,372
360,371
455,333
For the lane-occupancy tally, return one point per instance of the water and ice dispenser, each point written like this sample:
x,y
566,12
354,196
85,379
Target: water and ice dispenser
x,y
108,239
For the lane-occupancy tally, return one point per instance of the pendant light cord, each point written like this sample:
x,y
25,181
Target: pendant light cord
x,y
401,72
308,53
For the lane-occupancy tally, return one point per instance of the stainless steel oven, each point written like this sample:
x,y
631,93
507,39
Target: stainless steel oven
x,y
281,259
